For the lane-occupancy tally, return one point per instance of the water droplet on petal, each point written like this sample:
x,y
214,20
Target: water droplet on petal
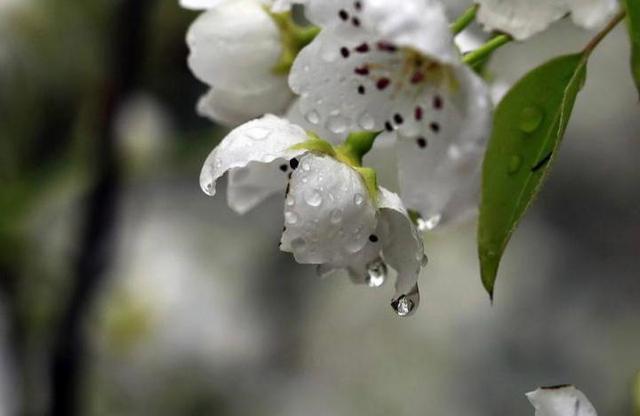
x,y
424,260
208,187
337,124
313,198
376,273
366,121
290,201
298,244
258,133
358,199
306,167
428,224
336,216
290,217
312,117
515,163
530,119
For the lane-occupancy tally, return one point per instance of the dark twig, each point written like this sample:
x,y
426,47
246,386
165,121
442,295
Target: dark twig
x,y
96,240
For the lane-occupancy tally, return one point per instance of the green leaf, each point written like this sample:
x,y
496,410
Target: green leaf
x,y
528,126
636,395
633,22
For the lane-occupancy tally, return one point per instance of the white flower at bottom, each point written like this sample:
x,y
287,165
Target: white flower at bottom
x,y
525,18
331,217
234,48
563,400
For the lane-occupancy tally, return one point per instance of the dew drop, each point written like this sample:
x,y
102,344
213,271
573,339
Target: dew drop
x,y
358,199
306,167
290,201
424,260
208,187
404,306
258,133
366,121
336,216
530,119
515,163
337,124
312,117
290,217
376,273
428,224
313,198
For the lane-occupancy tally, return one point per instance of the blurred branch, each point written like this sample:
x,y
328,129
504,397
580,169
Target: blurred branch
x,y
96,240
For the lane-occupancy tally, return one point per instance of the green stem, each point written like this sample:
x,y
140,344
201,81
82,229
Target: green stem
x,y
464,20
479,55
603,33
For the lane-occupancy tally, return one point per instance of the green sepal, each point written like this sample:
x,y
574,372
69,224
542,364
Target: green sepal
x,y
317,145
293,38
370,180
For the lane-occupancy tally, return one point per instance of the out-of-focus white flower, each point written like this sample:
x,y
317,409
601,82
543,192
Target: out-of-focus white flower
x,y
563,400
332,217
235,46
276,5
393,65
524,18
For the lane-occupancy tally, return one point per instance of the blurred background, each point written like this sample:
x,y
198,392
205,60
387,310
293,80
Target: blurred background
x,y
126,291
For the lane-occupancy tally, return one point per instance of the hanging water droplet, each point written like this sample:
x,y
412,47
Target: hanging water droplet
x,y
208,187
336,216
366,121
358,199
258,133
313,197
312,117
515,163
530,119
428,224
337,124
290,217
404,306
376,273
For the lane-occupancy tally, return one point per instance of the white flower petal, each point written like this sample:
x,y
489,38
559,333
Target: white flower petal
x,y
524,18
235,45
561,401
592,14
519,18
200,4
328,212
256,182
294,114
266,140
234,107
402,246
280,6
439,172
417,24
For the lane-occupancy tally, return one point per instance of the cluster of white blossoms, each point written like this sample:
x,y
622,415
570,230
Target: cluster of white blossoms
x,y
310,101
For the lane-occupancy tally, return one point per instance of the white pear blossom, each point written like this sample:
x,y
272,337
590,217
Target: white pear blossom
x,y
563,400
331,217
381,65
235,46
524,18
